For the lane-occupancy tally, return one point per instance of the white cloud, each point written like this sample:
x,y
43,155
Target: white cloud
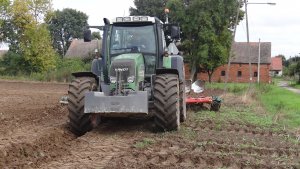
x,y
97,9
278,24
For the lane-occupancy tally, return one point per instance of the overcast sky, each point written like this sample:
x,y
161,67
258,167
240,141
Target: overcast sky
x,y
278,24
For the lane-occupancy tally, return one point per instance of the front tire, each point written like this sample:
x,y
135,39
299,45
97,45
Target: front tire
x,y
80,123
166,102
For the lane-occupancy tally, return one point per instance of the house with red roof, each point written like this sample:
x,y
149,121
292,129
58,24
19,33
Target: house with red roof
x,y
239,70
276,66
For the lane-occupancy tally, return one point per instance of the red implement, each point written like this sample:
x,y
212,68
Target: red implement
x,y
191,100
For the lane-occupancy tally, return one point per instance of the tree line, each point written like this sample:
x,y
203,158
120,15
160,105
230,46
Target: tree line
x,y
38,35
291,67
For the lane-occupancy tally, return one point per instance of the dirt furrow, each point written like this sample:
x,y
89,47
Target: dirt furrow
x,y
34,134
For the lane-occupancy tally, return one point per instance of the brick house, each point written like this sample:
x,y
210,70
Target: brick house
x,y
276,66
239,68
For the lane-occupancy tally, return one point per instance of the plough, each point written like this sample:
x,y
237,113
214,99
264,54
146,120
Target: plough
x,y
197,102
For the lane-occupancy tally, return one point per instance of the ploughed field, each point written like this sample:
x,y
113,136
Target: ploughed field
x,y
34,134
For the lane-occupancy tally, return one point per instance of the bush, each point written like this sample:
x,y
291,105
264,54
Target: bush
x,y
13,64
64,70
263,88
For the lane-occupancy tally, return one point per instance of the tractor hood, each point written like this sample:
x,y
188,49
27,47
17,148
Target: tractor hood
x,y
129,67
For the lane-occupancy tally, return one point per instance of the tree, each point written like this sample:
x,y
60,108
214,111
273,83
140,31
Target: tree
x,y
96,35
149,8
37,50
4,20
207,34
20,15
3,11
28,37
64,26
294,67
297,70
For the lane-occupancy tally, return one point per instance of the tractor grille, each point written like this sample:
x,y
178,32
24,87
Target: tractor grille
x,y
123,68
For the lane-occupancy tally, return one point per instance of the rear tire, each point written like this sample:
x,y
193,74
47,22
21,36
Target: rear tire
x,y
166,102
80,123
182,98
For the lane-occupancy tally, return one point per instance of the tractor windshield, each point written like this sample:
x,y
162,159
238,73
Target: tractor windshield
x,y
126,39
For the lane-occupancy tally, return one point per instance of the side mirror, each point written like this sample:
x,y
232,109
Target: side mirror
x,y
87,35
175,32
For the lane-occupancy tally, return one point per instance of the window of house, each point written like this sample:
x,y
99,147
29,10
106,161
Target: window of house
x,y
255,74
240,65
223,73
239,74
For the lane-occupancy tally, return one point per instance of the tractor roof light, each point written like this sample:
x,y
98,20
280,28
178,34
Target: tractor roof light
x,y
144,18
133,19
127,19
119,19
136,18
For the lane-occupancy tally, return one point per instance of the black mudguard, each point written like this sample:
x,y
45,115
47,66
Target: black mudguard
x,y
177,67
86,74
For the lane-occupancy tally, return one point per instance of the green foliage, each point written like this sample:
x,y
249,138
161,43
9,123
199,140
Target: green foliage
x,y
206,30
96,35
64,26
13,64
149,8
37,49
28,38
65,67
292,67
3,12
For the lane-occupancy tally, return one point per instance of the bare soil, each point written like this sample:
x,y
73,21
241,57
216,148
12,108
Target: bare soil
x,y
34,134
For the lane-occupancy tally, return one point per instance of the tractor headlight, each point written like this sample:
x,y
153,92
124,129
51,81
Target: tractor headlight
x,y
142,71
130,79
113,79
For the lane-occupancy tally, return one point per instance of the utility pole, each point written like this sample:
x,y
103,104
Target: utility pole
x,y
258,63
248,40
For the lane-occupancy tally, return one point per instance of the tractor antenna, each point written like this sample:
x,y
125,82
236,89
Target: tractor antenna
x,y
167,11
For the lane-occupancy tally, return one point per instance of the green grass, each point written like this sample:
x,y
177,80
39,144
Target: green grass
x,y
295,85
282,103
144,143
275,80
244,115
231,87
282,106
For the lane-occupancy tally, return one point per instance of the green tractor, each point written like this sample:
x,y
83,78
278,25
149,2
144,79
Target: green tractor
x,y
137,75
